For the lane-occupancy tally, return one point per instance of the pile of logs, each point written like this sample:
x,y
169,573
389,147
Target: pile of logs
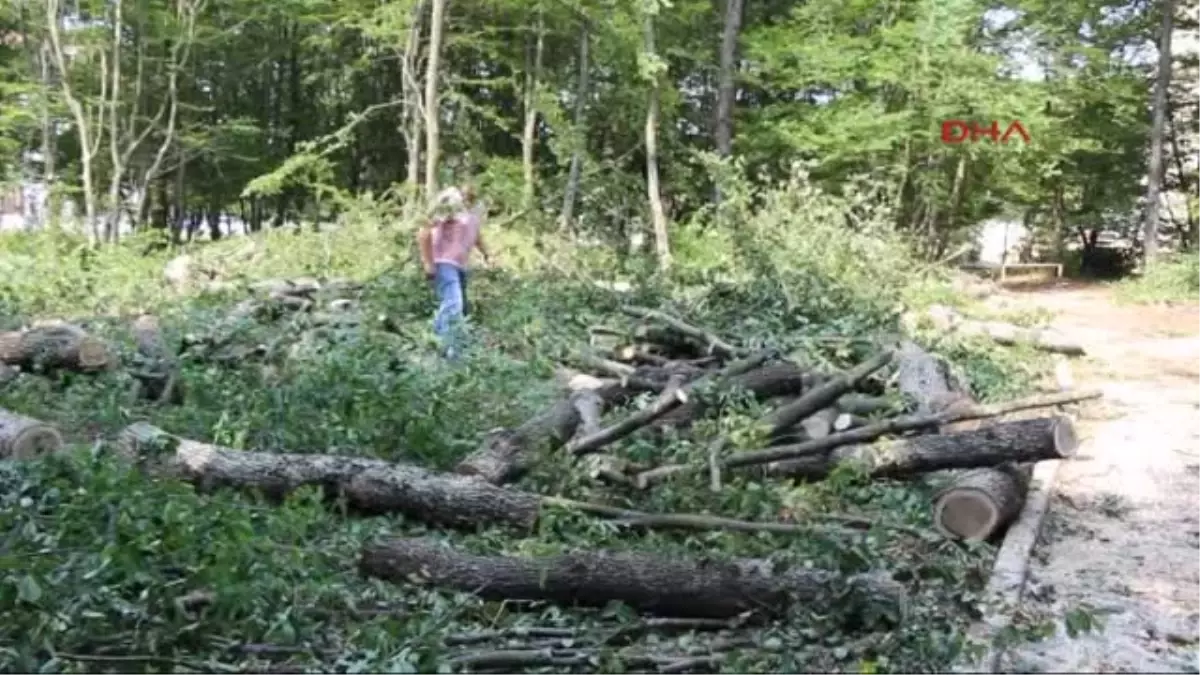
x,y
817,421
53,346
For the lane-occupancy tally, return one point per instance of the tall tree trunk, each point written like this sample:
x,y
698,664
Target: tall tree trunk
x,y
533,74
661,243
432,142
580,138
414,110
50,208
1154,179
726,85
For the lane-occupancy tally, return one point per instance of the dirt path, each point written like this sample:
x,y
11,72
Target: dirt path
x,y
1123,532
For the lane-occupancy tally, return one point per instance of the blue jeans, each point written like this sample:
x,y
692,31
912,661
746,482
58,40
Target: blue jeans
x,y
450,282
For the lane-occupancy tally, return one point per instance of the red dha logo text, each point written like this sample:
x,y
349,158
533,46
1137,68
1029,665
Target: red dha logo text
x,y
957,131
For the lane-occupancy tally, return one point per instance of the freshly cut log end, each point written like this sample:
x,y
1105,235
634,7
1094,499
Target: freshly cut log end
x,y
979,504
1066,439
24,438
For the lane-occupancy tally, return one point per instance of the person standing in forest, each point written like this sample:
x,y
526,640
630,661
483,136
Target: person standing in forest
x,y
446,243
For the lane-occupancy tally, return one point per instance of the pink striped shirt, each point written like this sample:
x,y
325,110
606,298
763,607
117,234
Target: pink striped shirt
x,y
454,237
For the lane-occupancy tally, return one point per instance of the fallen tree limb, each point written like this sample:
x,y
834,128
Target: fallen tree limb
x,y
669,586
870,433
157,369
713,343
369,485
54,347
671,397
750,375
503,455
825,394
24,438
1048,340
511,660
1031,440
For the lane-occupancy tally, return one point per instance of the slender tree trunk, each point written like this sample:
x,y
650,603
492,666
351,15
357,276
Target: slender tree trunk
x,y
1154,179
581,95
414,111
659,217
533,74
432,107
727,85
50,209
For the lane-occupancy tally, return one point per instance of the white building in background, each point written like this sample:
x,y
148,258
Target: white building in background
x,y
1000,240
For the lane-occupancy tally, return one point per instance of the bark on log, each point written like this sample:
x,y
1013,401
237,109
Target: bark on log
x,y
23,438
668,586
54,347
825,394
504,454
980,503
863,405
869,433
369,485
157,369
1032,440
1044,339
989,497
927,381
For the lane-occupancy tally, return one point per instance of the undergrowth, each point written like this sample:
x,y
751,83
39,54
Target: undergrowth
x,y
1171,279
102,566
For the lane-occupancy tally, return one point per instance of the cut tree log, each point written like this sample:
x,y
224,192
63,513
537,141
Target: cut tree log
x,y
712,342
979,504
1019,441
825,394
369,485
24,438
863,405
663,585
505,454
1045,339
869,433
157,370
590,407
54,347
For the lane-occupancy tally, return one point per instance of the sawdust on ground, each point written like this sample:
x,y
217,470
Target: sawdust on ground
x,y
1122,537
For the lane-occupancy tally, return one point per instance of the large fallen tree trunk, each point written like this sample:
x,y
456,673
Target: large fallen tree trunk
x,y
54,347
1032,440
26,438
157,369
664,585
1045,339
369,485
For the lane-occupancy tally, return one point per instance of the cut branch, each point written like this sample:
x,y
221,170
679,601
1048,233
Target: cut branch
x,y
712,342
1048,340
1032,440
825,394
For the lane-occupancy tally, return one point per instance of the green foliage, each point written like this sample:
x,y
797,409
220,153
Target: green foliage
x,y
108,569
1171,279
